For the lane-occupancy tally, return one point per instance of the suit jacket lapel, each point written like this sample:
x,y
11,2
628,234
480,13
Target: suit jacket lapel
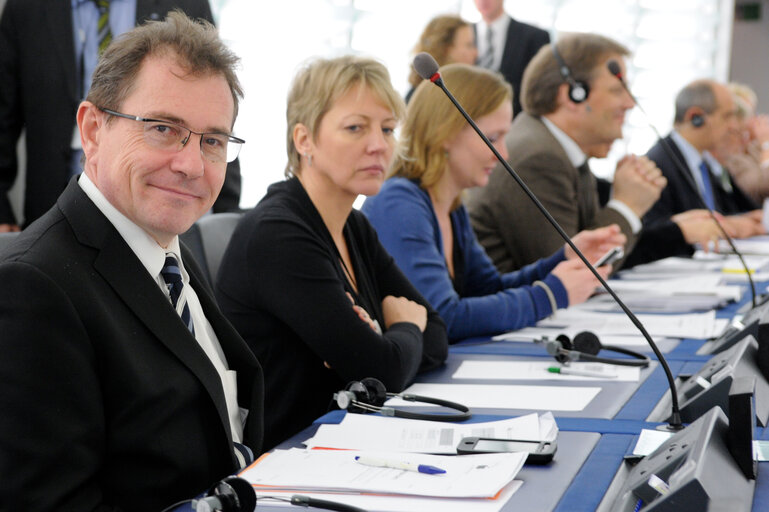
x,y
58,18
512,52
239,356
119,267
680,161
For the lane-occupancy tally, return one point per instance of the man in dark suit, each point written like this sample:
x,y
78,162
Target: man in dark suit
x,y
705,113
506,45
43,77
124,387
549,145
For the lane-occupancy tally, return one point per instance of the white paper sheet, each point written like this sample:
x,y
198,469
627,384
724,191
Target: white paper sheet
x,y
538,370
381,433
408,503
468,476
483,396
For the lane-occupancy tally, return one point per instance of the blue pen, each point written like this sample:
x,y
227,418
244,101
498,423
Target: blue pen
x,y
394,464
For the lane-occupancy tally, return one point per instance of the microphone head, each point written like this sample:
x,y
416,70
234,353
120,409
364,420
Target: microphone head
x,y
614,68
425,65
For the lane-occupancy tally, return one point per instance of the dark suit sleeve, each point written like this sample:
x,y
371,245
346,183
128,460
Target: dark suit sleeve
x,y
661,240
52,438
10,109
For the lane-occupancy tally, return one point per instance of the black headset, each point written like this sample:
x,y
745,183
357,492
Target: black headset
x,y
578,89
698,120
235,494
586,346
369,395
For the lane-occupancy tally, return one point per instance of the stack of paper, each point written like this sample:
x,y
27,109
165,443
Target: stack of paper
x,y
369,432
679,295
468,476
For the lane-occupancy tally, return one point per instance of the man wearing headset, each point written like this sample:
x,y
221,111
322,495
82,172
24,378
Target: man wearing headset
x,y
572,110
705,113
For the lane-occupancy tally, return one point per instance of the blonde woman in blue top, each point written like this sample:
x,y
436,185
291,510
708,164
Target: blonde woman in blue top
x,y
420,219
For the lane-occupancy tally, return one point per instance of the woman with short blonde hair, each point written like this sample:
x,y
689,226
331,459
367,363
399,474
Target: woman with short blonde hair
x,y
304,279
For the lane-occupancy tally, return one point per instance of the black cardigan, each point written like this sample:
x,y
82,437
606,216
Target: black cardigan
x,y
282,286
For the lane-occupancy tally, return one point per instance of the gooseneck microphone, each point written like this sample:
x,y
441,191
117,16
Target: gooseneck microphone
x,y
615,70
426,66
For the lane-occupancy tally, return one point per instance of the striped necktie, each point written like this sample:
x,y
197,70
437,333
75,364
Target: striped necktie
x,y
104,33
487,59
172,275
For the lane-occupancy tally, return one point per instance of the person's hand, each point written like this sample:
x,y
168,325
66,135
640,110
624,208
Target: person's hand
x,y
698,227
637,183
744,225
579,282
401,309
363,315
9,228
595,243
758,126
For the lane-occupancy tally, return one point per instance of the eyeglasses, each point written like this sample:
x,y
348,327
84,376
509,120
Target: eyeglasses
x,y
167,136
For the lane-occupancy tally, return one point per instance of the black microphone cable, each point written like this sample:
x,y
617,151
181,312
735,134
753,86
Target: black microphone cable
x,y
426,66
615,70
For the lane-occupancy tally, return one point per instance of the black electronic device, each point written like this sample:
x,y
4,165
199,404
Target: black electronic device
x,y
710,386
578,89
682,170
426,67
693,471
586,346
235,494
698,120
369,395
612,255
742,422
744,323
539,452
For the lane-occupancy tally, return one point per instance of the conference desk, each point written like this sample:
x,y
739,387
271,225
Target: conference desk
x,y
592,443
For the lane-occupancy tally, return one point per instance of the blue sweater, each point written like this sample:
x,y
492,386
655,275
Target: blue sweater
x,y
488,302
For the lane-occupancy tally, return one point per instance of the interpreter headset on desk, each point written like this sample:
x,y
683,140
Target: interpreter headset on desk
x,y
235,494
586,346
369,395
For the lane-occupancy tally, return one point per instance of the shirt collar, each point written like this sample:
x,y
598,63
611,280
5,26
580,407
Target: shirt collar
x,y
691,155
576,156
151,255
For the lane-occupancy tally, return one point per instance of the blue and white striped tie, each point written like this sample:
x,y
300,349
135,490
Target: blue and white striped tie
x,y
172,275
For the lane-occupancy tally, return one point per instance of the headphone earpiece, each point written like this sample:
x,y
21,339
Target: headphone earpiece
x,y
578,89
369,395
586,346
587,342
233,494
698,120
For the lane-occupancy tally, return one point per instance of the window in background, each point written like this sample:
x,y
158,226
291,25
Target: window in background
x,y
673,42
